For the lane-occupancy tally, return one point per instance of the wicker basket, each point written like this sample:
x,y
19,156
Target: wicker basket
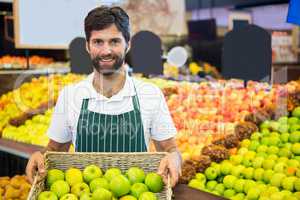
x,y
149,162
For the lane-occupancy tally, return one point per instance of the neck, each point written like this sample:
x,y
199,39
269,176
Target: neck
x,y
109,85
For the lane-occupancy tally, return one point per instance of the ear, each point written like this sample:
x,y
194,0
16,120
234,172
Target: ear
x,y
87,46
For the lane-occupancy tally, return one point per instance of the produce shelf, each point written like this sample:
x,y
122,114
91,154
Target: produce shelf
x,y
17,148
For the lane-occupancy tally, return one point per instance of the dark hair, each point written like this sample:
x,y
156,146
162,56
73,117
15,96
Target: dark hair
x,y
102,17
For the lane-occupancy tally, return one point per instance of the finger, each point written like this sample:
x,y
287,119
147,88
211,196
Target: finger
x,y
174,175
29,172
162,167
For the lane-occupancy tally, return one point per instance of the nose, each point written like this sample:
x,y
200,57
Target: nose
x,y
106,49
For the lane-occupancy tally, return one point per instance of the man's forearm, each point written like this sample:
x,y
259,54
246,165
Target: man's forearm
x,y
55,146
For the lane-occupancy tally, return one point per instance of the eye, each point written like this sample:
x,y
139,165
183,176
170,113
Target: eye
x,y
97,42
115,41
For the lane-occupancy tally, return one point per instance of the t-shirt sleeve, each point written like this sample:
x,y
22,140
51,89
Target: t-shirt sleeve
x,y
162,126
58,129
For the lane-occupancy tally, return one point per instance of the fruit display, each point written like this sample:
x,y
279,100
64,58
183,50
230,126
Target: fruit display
x,y
20,62
266,164
33,131
14,188
95,184
32,98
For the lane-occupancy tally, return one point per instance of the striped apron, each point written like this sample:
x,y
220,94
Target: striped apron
x,y
98,132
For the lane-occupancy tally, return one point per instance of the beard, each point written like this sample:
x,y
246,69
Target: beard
x,y
108,69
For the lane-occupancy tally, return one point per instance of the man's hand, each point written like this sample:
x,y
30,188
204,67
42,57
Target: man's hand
x,y
170,165
36,161
35,164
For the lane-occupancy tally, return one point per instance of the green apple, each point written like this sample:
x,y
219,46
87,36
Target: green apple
x,y
247,162
277,196
272,157
217,167
148,196
242,151
239,185
73,176
296,148
120,185
296,112
297,158
293,163
257,162
99,183
265,132
154,182
229,181
200,177
292,120
211,173
60,188
249,184
226,168
274,141
135,175
294,127
253,145
298,173
283,120
229,193
128,197
297,184
273,150
265,125
294,137
111,173
268,175
248,172
284,152
277,179
138,188
265,141
259,174
237,171
91,172
194,183
210,185
236,159
262,148
284,128
262,154
80,188
54,175
268,164
256,136
274,125
69,197
245,143
239,196
282,159
253,194
288,183
280,167
86,196
284,137
220,188
47,195
102,194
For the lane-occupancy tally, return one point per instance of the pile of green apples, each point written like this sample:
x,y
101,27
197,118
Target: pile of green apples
x,y
266,166
93,184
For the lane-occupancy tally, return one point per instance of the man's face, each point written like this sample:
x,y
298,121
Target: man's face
x,y
107,49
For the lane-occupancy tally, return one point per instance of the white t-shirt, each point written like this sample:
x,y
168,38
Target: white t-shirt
x,y
157,122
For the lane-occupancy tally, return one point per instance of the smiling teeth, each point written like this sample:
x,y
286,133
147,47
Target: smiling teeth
x,y
106,60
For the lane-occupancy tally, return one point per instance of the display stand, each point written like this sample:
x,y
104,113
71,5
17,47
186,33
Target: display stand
x,y
14,156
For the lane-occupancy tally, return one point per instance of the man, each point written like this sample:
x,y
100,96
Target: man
x,y
110,111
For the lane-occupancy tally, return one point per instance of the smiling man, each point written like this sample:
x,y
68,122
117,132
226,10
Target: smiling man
x,y
111,111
